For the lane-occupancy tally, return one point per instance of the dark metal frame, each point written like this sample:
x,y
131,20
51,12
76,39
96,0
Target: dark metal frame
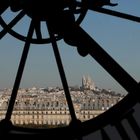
x,y
114,116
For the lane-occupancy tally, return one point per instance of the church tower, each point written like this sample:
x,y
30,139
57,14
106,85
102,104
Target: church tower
x,y
87,83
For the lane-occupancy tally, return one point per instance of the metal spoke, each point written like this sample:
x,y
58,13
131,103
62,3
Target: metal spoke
x,y
111,12
62,75
117,14
38,29
19,72
84,42
11,24
112,67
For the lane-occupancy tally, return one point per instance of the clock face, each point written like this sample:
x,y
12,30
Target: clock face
x,y
87,31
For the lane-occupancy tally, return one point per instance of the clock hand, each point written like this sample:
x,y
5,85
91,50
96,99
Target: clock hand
x,y
88,45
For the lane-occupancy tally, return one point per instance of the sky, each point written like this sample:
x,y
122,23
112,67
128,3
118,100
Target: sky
x,y
119,37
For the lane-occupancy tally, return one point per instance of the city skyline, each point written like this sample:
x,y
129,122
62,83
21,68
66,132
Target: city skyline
x,y
87,83
43,107
120,38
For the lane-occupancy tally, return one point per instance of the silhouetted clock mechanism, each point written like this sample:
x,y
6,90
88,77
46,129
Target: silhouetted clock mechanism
x,y
63,19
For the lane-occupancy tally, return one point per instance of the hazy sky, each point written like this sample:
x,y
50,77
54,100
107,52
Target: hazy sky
x,y
119,37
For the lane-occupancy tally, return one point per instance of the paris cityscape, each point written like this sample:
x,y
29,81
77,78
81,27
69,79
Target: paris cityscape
x,y
48,106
